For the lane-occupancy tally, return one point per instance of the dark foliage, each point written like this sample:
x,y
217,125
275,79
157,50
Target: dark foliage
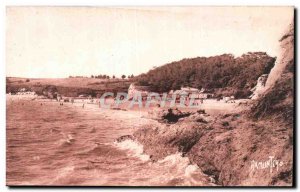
x,y
237,74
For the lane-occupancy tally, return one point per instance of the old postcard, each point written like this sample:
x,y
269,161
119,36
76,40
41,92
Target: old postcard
x,y
150,96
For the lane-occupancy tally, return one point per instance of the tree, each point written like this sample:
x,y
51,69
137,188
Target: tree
x,y
123,76
92,76
113,76
132,76
224,73
107,77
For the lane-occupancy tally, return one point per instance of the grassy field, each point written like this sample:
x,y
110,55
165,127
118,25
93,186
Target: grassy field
x,y
68,86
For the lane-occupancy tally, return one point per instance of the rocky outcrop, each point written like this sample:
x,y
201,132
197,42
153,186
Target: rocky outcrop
x,y
224,147
235,149
168,115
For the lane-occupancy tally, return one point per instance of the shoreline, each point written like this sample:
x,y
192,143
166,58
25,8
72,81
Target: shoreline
x,y
197,136
96,145
211,106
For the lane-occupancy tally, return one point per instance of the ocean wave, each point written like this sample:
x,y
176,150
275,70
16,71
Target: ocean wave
x,y
180,167
63,174
134,148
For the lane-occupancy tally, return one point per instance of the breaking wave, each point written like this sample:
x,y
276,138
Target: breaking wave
x,y
134,148
173,170
181,168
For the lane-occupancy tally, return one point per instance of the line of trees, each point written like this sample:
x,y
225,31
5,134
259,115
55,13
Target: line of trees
x,y
104,76
113,77
226,73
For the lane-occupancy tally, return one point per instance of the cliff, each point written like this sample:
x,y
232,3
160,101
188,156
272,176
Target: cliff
x,y
277,99
251,148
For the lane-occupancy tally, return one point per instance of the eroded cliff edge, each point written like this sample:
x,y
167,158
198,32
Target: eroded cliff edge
x,y
228,147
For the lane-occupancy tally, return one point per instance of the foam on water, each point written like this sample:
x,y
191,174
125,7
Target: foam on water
x,y
134,148
174,158
63,173
174,169
190,169
181,168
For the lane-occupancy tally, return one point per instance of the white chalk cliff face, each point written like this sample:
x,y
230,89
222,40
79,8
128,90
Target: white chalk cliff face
x,y
266,81
133,90
260,86
286,55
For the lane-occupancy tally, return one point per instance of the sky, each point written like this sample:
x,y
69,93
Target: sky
x,y
55,42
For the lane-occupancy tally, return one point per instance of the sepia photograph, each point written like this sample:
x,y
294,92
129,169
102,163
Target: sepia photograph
x,y
191,96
